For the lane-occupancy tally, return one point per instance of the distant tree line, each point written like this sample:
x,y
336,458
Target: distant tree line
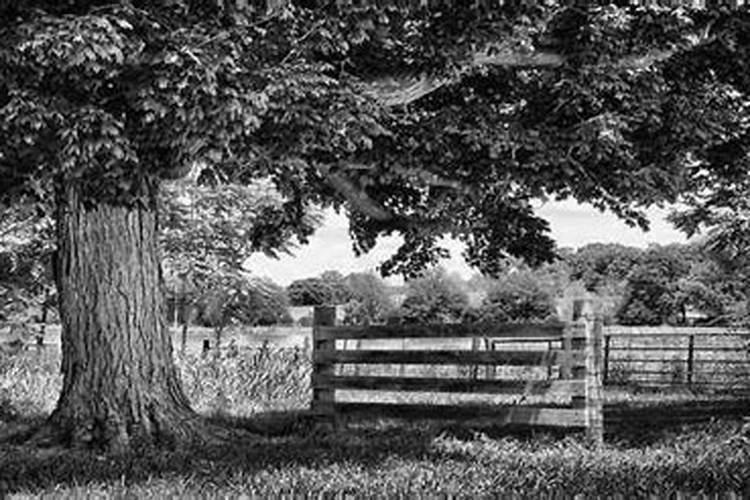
x,y
674,284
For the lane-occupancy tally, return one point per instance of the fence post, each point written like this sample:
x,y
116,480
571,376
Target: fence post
x,y
489,370
323,399
594,372
566,368
607,339
690,359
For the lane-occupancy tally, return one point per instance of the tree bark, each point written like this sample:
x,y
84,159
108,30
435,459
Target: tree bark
x,y
121,388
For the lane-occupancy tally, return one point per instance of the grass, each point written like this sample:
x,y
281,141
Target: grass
x,y
375,458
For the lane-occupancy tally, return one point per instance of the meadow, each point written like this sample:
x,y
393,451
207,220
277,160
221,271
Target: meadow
x,y
266,390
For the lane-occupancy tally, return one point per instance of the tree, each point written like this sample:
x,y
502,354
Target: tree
x,y
671,279
518,296
100,102
434,297
26,272
241,299
599,265
328,288
209,231
337,285
231,297
308,292
718,207
369,302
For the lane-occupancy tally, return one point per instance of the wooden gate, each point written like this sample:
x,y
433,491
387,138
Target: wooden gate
x,y
570,356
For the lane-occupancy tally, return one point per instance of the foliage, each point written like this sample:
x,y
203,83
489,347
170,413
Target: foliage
x,y
599,264
235,298
339,291
646,300
327,289
369,303
203,228
308,292
209,231
434,297
559,102
26,262
725,217
518,296
671,279
208,227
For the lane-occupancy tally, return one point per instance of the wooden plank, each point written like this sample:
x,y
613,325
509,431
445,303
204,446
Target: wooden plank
x,y
738,348
322,396
690,358
686,333
734,361
526,331
619,330
524,340
566,370
513,358
594,378
637,371
497,415
676,349
568,387
675,413
738,382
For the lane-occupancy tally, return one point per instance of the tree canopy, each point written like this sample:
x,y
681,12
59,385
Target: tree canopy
x,y
420,121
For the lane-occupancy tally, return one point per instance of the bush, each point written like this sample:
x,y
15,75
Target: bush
x,y
518,296
254,302
369,301
434,297
328,289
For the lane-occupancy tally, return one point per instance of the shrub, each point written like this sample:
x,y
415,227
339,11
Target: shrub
x,y
434,297
327,289
369,301
517,296
254,302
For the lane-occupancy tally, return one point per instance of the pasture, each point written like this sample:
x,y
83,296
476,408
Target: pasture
x,y
266,390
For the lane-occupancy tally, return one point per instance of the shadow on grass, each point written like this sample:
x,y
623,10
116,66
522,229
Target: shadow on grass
x,y
284,440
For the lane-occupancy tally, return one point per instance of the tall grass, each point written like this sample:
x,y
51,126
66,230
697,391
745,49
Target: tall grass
x,y
244,382
380,458
229,382
248,381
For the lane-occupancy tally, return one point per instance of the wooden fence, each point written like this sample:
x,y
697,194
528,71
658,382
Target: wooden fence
x,y
570,357
700,359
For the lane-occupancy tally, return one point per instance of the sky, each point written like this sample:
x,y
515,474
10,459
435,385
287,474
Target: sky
x,y
572,225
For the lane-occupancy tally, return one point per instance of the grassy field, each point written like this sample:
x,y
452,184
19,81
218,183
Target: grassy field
x,y
251,387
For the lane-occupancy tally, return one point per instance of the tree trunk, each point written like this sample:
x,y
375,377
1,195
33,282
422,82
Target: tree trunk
x,y
121,388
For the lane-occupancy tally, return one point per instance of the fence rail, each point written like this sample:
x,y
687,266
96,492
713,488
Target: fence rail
x,y
694,358
510,331
570,355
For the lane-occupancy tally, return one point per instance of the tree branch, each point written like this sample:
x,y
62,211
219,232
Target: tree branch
x,y
394,92
363,203
359,200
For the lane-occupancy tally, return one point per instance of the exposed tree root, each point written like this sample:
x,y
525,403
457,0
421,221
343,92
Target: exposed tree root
x,y
271,424
186,434
14,433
